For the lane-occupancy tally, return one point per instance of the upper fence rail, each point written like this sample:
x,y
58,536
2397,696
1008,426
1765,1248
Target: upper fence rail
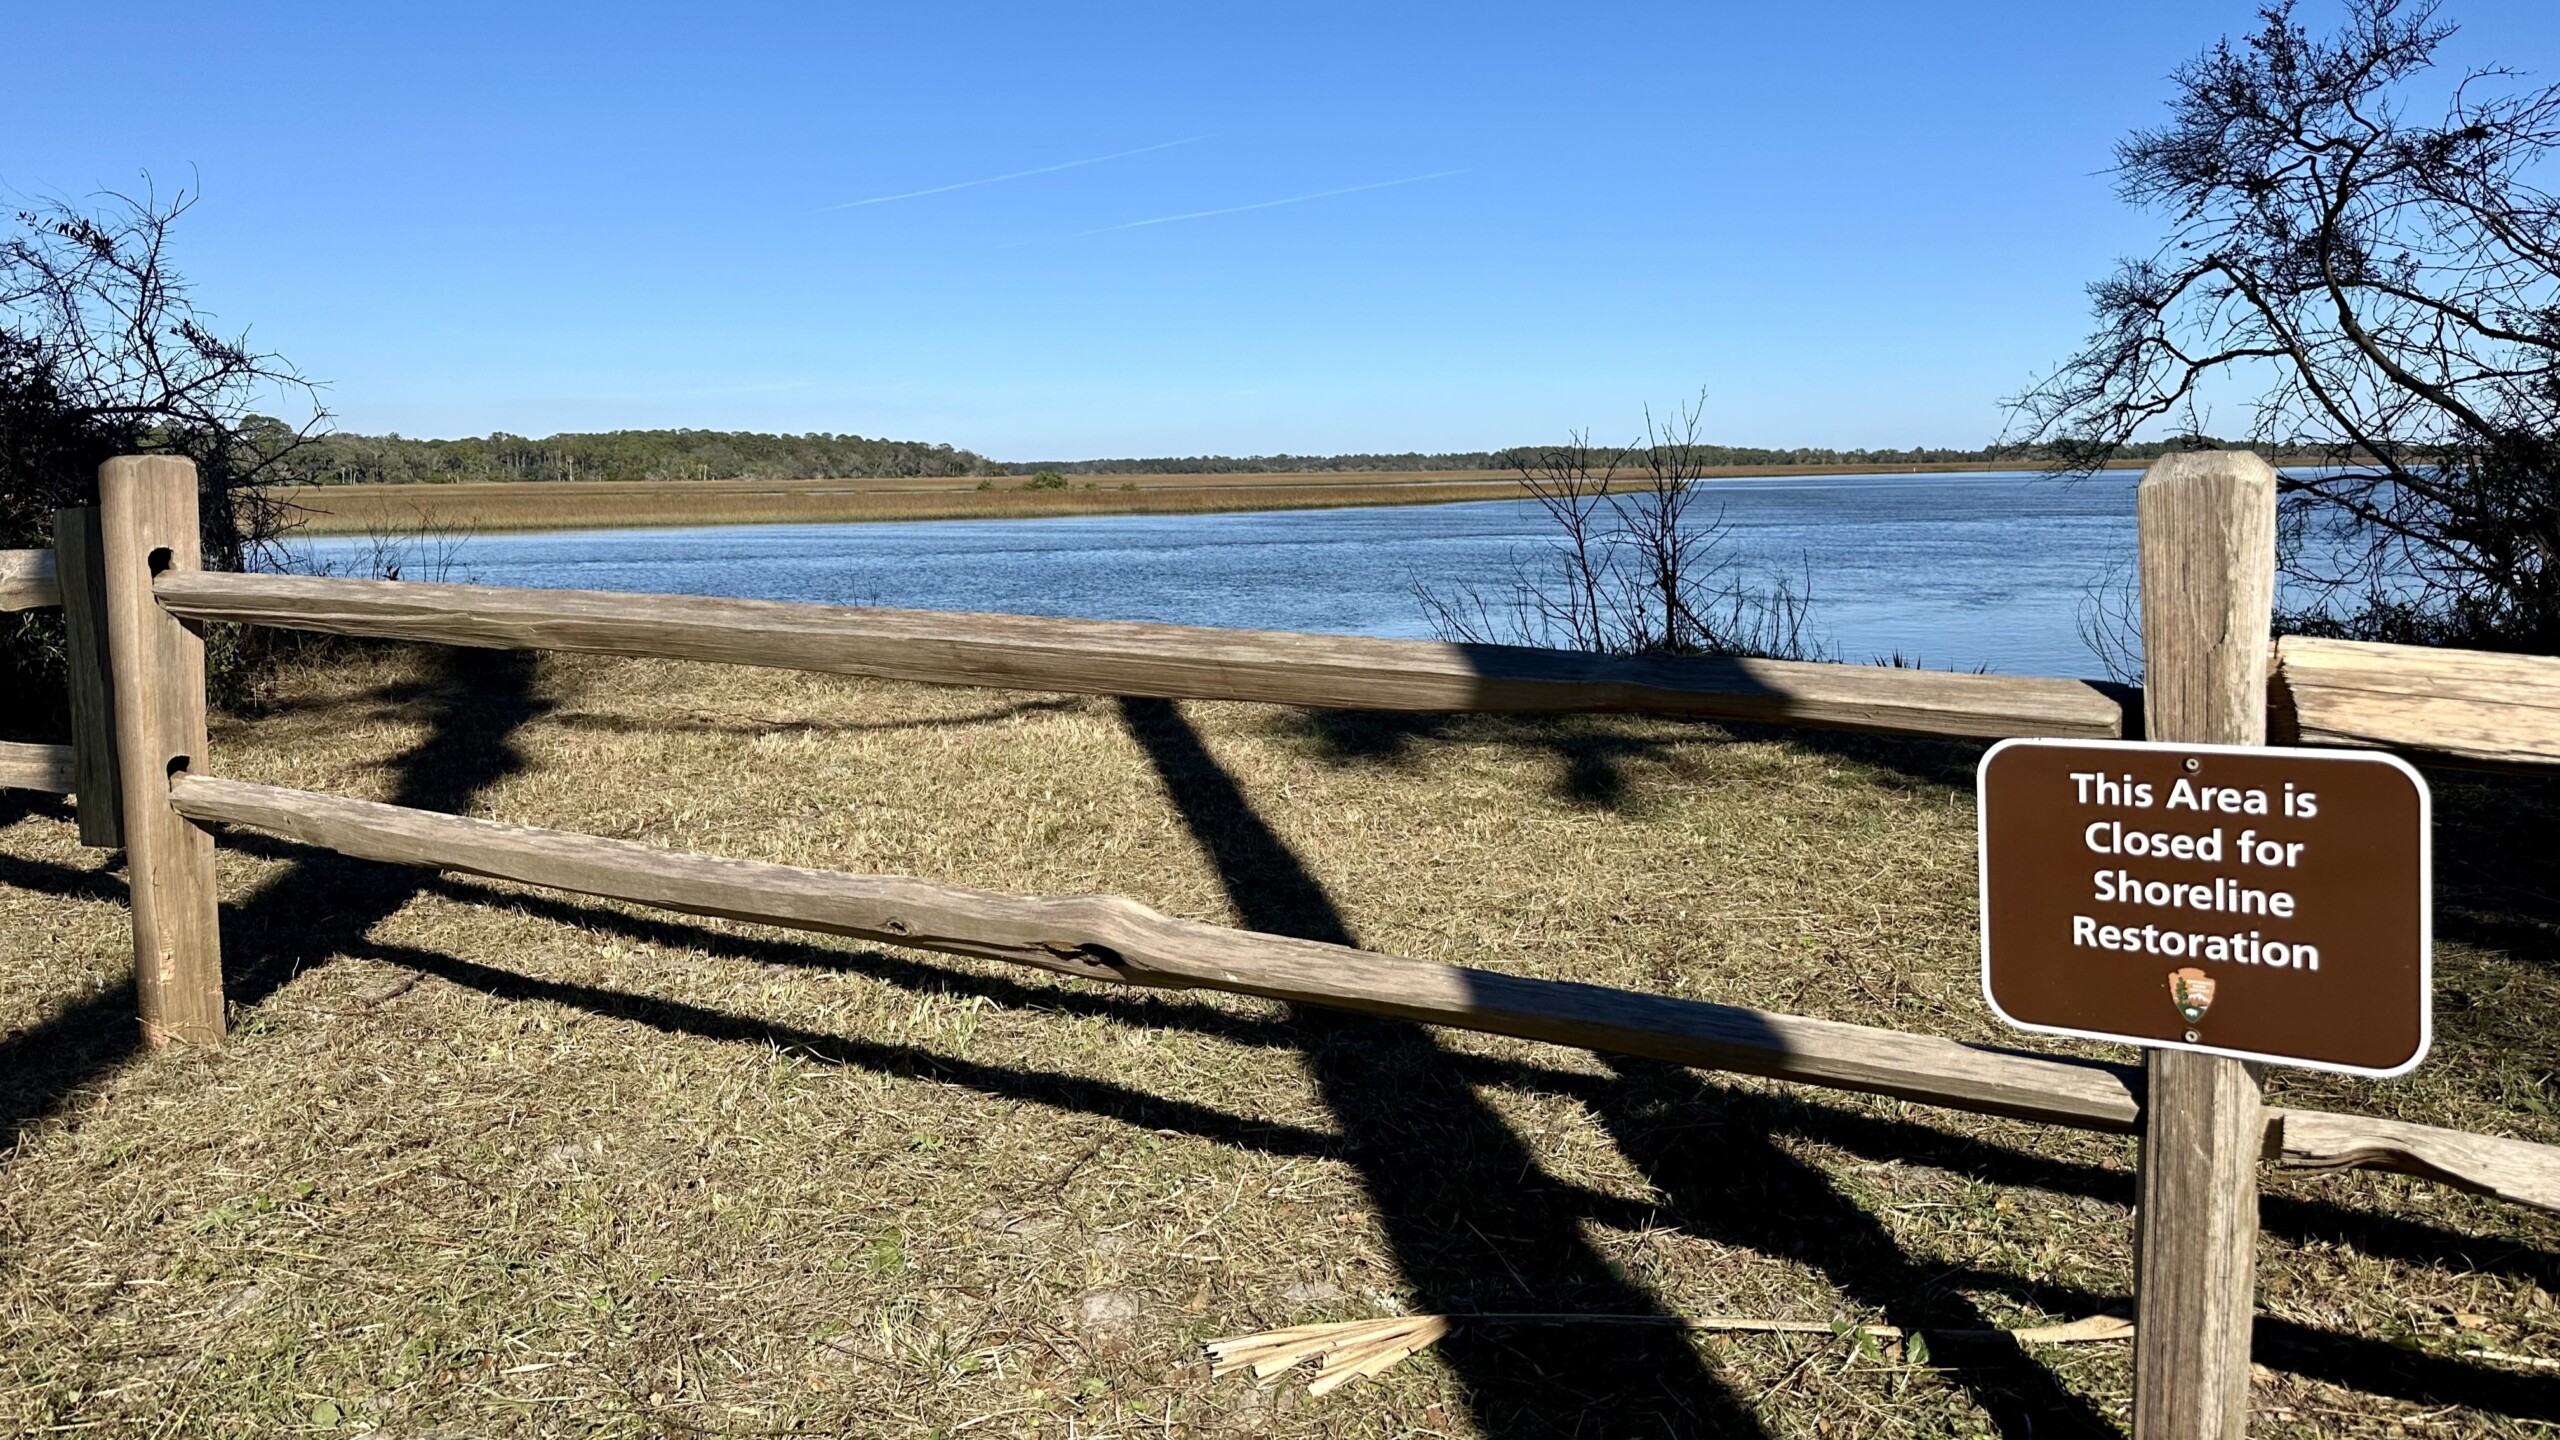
x,y
2459,705
1109,657
45,768
2466,706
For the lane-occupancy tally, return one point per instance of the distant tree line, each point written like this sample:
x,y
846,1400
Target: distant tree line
x,y
345,459
1468,459
1514,459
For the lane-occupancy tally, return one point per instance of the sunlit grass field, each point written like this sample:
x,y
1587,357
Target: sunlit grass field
x,y
483,1161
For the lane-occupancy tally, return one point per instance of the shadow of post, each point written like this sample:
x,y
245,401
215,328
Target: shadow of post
x,y
1473,1222
319,907
324,905
1723,1178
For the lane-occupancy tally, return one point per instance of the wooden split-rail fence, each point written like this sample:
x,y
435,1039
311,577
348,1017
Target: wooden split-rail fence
x,y
135,598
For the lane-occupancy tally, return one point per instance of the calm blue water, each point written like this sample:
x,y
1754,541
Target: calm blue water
x,y
1955,570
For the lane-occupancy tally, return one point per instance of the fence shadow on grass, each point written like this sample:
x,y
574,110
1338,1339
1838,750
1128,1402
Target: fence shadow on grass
x,y
1054,1089
1743,1189
2351,1362
1796,1213
703,722
1473,1223
1597,758
2293,1218
325,905
88,1036
321,906
2496,884
17,805
46,1063
1592,759
1725,1178
85,1039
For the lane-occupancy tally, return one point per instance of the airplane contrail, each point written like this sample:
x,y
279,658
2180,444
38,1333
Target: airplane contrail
x,y
1266,204
1016,175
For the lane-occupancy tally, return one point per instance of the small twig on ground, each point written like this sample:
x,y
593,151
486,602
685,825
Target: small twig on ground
x,y
1353,1349
2503,1357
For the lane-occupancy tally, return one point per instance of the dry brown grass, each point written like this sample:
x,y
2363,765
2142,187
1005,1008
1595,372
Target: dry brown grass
x,y
490,1162
561,505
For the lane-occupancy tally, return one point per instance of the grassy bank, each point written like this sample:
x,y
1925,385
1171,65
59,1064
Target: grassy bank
x,y
490,1162
568,505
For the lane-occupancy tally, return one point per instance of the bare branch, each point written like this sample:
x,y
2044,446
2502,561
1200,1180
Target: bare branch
x,y
2389,290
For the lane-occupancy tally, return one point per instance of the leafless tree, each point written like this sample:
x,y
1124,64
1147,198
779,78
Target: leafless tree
x,y
1636,565
2384,289
103,353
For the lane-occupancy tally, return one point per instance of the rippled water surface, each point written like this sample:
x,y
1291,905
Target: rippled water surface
x,y
1953,570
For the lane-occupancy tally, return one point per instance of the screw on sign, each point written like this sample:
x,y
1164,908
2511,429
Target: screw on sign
x,y
2268,904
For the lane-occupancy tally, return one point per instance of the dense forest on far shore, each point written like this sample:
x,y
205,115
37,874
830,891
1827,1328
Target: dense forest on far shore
x,y
342,459
661,455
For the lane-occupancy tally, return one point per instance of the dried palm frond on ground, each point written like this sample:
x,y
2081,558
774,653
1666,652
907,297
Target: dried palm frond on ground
x,y
1349,1350
1343,1352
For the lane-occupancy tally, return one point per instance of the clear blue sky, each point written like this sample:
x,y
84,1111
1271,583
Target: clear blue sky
x,y
1853,224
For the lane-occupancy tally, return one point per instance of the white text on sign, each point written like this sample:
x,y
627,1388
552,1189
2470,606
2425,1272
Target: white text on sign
x,y
2222,895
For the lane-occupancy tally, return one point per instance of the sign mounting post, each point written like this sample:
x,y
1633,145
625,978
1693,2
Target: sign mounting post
x,y
2208,561
2215,901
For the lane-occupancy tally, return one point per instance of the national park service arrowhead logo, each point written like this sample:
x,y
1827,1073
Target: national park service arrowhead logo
x,y
2191,990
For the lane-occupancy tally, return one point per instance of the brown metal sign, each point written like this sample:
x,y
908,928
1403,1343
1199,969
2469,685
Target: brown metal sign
x,y
2262,903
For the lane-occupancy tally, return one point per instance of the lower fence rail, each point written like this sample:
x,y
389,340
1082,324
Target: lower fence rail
x,y
28,581
48,768
1108,938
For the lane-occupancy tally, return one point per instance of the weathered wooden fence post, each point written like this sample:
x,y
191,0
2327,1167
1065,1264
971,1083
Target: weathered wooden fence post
x,y
79,550
2208,596
147,525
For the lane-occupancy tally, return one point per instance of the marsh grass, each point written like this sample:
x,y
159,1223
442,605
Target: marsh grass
x,y
563,505
572,505
485,1161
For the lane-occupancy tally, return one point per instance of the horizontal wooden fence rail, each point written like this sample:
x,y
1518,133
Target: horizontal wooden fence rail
x,y
2458,705
1100,937
2467,704
27,580
2515,1170
35,767
1104,657
1103,937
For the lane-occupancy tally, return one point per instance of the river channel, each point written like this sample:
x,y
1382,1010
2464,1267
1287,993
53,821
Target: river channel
x,y
1963,571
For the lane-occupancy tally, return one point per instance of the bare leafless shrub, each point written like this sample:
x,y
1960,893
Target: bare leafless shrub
x,y
1638,565
427,548
104,353
2109,619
